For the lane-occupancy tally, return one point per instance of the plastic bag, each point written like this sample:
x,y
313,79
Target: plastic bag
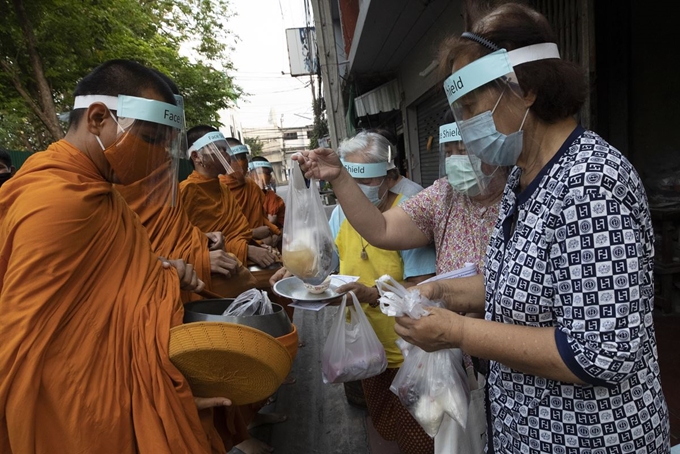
x,y
308,246
352,350
250,302
429,385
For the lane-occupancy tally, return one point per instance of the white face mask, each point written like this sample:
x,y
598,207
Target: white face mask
x,y
461,175
372,193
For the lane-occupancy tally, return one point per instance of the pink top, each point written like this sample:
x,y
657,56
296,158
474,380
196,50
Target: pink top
x,y
459,227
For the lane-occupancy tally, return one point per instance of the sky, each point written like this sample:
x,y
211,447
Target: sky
x,y
259,58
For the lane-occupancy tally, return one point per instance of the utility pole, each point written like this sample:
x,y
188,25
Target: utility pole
x,y
328,59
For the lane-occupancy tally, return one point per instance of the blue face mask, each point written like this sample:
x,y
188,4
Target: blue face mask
x,y
461,175
483,140
372,193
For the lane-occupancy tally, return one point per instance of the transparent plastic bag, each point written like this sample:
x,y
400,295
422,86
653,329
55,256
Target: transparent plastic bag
x,y
352,350
431,385
308,248
250,302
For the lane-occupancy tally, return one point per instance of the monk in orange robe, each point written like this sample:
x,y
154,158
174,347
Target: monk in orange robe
x,y
249,196
173,236
274,206
86,305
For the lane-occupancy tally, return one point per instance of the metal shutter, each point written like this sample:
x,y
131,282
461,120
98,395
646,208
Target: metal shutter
x,y
431,115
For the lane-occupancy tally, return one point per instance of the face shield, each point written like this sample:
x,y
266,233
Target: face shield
x,y
214,153
486,98
148,145
366,176
262,173
241,154
454,162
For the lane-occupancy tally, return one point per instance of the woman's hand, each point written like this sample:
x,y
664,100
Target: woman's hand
x,y
208,402
322,164
437,331
364,294
280,274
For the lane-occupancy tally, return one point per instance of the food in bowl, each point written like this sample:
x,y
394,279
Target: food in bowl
x,y
318,289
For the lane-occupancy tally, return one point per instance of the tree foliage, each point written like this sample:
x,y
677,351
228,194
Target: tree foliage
x,y
46,46
255,145
320,128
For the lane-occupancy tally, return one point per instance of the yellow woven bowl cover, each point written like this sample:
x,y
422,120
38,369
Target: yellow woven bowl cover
x,y
222,359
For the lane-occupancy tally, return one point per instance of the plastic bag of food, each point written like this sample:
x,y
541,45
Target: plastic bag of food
x,y
308,246
352,350
250,302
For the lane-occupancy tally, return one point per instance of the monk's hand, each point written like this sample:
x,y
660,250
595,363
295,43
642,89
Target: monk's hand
x,y
188,279
223,263
261,232
439,330
262,257
215,241
322,164
281,273
208,402
364,294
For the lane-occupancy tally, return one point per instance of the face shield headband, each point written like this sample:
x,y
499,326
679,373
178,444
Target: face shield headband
x,y
479,132
148,145
214,152
262,173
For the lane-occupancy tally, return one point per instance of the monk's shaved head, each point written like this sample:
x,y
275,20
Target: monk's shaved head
x,y
120,77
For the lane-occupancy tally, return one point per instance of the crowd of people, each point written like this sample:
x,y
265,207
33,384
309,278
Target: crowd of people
x,y
100,247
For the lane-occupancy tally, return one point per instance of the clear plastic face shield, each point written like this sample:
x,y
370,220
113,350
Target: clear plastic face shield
x,y
262,173
241,154
488,104
214,153
454,162
371,178
148,145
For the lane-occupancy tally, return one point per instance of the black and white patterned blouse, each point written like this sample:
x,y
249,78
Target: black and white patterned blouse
x,y
575,251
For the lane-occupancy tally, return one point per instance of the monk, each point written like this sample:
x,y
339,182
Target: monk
x,y
274,206
172,236
249,196
86,305
211,206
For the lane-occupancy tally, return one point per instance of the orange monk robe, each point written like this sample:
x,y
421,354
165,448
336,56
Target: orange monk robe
x,y
211,207
251,200
86,315
275,206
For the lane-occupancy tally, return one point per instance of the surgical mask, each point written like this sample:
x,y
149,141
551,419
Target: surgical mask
x,y
483,140
461,175
372,193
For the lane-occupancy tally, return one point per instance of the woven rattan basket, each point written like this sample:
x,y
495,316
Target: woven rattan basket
x,y
228,360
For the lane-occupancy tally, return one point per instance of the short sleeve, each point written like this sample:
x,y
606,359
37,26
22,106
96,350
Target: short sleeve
x,y
420,261
420,208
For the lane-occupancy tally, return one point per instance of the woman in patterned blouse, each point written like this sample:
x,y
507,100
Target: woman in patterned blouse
x,y
568,287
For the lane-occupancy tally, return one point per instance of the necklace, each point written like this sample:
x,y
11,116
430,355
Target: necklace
x,y
364,255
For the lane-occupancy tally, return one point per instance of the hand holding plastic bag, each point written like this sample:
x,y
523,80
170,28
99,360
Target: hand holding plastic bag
x,y
429,385
250,302
308,248
352,350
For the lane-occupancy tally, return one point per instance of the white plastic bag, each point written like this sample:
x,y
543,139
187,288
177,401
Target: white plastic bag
x,y
429,385
250,302
352,350
308,246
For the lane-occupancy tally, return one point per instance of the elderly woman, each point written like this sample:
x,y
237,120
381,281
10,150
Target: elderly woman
x,y
456,214
568,288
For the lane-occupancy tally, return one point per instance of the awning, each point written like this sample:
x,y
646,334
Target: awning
x,y
384,98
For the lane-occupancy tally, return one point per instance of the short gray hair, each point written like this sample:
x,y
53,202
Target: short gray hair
x,y
371,146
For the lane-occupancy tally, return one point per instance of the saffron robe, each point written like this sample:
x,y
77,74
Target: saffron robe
x,y
86,315
251,200
275,206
